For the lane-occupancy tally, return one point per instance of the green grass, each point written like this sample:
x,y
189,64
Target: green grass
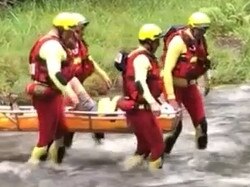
x,y
115,23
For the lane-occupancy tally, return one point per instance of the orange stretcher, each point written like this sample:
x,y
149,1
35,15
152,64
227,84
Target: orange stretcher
x,y
25,119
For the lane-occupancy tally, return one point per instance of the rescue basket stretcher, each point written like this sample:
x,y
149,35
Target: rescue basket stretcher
x,y
25,119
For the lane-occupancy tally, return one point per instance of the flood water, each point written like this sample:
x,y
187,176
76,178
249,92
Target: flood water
x,y
225,163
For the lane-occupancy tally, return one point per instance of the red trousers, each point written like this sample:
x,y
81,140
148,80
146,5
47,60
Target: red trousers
x,y
148,133
191,98
50,111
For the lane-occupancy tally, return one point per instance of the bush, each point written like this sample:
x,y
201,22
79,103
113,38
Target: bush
x,y
114,24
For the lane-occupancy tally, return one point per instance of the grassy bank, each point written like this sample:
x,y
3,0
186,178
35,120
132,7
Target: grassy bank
x,y
115,23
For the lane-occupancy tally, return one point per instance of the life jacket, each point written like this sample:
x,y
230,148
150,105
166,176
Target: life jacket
x,y
82,66
38,68
185,68
154,82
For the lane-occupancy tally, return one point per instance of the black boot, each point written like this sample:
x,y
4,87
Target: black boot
x,y
201,134
170,140
61,154
98,137
68,139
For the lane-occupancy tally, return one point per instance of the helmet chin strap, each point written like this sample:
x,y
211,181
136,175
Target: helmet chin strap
x,y
65,40
194,35
149,46
192,31
60,32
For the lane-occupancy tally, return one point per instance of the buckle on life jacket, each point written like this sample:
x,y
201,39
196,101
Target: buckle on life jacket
x,y
143,107
182,82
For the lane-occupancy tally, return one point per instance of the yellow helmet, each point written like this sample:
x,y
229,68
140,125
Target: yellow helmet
x,y
80,18
65,20
199,19
149,31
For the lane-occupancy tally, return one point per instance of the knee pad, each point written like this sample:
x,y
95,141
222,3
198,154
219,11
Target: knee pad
x,y
201,128
178,130
201,134
170,141
203,125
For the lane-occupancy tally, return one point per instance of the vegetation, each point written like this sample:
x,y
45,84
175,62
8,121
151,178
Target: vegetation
x,y
115,23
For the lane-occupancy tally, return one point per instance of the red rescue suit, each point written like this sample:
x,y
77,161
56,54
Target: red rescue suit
x,y
49,103
189,95
141,119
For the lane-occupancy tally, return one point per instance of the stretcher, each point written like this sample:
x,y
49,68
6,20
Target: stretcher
x,y
25,119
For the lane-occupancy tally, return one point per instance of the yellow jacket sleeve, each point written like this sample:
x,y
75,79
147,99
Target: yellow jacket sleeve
x,y
53,53
175,49
141,66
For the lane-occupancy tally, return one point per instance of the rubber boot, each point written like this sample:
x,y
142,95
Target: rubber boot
x,y
171,139
98,137
133,162
155,165
57,151
201,135
44,157
68,139
37,154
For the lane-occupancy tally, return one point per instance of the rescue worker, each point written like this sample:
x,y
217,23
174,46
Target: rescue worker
x,y
185,60
50,68
142,86
84,66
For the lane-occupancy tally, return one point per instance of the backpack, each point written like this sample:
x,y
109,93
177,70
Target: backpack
x,y
120,60
170,32
168,36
